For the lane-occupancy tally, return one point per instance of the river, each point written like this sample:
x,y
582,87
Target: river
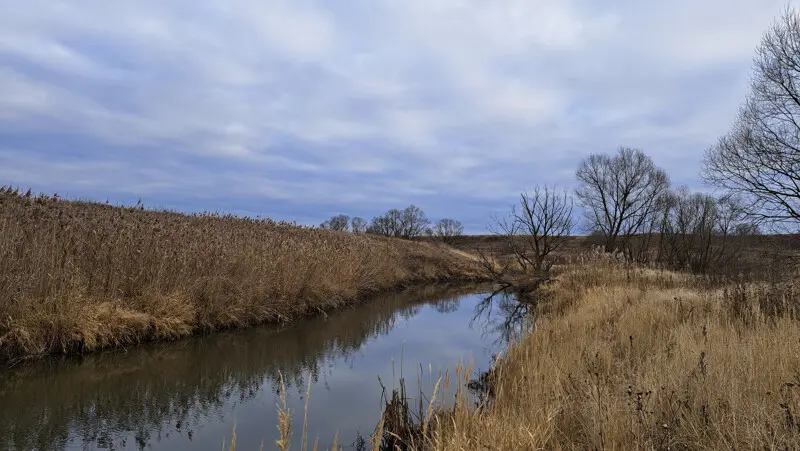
x,y
189,394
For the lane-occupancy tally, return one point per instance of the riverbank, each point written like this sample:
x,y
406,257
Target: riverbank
x,y
637,358
76,277
188,394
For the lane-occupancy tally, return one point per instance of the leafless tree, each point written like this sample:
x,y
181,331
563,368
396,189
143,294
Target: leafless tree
x,y
339,223
759,158
413,222
358,224
536,227
688,229
386,225
621,195
697,229
446,229
407,223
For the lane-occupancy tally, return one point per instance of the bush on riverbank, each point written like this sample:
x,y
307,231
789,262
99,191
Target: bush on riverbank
x,y
79,276
635,358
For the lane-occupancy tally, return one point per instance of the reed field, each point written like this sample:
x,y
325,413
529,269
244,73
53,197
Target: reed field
x,y
81,276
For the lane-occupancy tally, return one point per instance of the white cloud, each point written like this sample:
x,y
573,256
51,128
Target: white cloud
x,y
298,32
366,102
20,97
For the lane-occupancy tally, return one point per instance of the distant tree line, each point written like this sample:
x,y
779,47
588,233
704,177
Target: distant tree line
x,y
410,222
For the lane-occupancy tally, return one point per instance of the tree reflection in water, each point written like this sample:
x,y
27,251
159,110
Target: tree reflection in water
x,y
502,316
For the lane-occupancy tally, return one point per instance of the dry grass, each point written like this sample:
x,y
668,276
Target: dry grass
x,y
79,276
633,358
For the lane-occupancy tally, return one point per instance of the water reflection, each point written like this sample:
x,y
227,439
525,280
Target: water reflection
x,y
502,318
187,395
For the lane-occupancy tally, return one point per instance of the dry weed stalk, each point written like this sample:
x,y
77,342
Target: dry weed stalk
x,y
285,415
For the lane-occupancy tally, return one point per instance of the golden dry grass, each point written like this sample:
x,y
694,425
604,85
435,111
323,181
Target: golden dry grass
x,y
634,358
79,276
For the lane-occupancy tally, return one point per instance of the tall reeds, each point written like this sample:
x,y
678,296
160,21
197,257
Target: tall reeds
x,y
79,276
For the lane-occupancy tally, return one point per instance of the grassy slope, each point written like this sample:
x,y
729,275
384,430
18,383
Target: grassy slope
x,y
78,276
646,359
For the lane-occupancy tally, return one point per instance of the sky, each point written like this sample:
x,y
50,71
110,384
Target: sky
x,y
298,110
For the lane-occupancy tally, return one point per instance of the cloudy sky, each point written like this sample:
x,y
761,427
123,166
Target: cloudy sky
x,y
302,109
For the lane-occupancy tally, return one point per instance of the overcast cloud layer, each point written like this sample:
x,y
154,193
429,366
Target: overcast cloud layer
x,y
299,109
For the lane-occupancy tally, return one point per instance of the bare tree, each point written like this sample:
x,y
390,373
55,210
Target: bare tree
x,y
446,229
759,158
536,227
339,223
697,230
688,229
358,224
407,223
387,224
413,222
621,195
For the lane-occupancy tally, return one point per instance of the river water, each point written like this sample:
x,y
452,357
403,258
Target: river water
x,y
189,394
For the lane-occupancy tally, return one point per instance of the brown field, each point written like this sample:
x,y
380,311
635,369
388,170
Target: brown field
x,y
753,256
80,276
496,244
